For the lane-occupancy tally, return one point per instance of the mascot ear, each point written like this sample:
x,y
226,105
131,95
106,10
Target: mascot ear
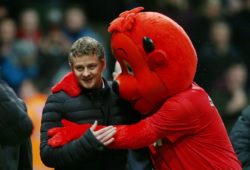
x,y
157,59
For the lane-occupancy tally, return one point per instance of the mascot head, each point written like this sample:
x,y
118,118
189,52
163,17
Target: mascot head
x,y
157,58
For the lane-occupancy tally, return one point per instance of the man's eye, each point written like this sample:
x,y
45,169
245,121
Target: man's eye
x,y
79,68
92,67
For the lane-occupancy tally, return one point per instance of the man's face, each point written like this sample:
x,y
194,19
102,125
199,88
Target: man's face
x,y
88,71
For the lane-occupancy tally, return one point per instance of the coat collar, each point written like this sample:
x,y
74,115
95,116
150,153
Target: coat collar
x,y
68,84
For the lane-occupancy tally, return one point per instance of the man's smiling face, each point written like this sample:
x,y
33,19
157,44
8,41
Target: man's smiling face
x,y
88,71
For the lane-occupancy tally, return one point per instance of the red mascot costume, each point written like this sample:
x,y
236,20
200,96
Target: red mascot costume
x,y
158,64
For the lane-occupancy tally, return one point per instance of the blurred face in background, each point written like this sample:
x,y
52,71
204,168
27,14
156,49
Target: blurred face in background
x,y
247,4
220,34
212,8
3,12
88,71
75,19
236,77
29,20
7,31
234,6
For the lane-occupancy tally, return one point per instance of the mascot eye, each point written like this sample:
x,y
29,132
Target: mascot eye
x,y
148,44
129,68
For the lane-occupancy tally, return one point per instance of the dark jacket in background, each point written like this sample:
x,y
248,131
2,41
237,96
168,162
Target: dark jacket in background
x,y
86,153
15,130
240,137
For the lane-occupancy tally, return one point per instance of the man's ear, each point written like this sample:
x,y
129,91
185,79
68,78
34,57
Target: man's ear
x,y
71,66
103,64
157,59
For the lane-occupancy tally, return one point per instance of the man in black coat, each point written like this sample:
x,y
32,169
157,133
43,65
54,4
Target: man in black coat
x,y
15,130
83,96
240,137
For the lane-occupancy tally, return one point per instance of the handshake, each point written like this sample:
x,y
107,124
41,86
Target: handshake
x,y
70,131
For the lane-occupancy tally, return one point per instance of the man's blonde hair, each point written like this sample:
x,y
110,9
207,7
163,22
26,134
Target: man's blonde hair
x,y
86,46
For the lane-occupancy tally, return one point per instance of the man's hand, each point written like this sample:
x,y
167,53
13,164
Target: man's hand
x,y
104,135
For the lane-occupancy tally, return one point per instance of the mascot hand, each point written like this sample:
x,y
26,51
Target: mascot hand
x,y
62,135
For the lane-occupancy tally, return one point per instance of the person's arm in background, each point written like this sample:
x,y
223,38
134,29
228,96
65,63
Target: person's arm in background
x,y
78,150
138,159
240,138
15,124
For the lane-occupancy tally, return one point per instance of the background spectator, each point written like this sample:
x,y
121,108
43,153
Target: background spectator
x,y
230,96
241,139
216,55
35,102
29,26
16,128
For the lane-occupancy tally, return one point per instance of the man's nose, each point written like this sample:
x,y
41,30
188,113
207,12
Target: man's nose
x,y
85,72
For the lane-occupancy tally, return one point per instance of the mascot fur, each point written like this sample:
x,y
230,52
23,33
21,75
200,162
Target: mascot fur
x,y
158,64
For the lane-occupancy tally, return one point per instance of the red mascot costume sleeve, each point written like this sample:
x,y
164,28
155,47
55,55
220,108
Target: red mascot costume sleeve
x,y
158,64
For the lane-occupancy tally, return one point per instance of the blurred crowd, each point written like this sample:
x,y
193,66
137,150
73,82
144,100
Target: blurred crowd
x,y
35,39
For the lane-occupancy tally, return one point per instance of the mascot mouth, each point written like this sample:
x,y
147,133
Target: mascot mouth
x,y
128,68
115,87
121,57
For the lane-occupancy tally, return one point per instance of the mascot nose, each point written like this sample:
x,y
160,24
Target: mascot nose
x,y
115,87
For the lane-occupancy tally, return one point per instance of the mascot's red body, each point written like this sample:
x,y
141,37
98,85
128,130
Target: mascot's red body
x,y
158,66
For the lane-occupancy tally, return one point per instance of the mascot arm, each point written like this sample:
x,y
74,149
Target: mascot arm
x,y
70,131
173,120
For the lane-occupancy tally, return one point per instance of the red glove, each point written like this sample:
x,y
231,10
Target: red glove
x,y
70,131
